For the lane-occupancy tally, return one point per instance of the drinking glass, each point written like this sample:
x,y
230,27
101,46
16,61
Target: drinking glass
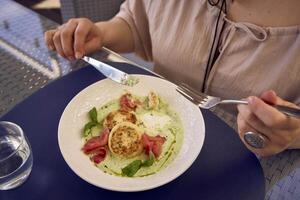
x,y
15,156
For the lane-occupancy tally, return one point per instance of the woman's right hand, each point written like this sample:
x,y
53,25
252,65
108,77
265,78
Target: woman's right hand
x,y
75,38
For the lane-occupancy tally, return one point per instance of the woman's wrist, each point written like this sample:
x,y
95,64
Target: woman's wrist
x,y
116,35
101,26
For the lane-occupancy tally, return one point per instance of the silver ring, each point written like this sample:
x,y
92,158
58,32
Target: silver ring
x,y
254,140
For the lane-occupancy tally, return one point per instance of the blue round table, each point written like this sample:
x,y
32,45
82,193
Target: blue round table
x,y
224,169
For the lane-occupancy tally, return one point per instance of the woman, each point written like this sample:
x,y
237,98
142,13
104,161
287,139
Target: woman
x,y
229,49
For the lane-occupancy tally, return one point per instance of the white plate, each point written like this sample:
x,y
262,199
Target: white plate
x,y
75,116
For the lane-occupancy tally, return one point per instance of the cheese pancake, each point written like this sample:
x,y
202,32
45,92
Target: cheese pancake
x,y
119,116
125,140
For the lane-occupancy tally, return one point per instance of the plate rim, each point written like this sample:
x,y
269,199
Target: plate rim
x,y
115,188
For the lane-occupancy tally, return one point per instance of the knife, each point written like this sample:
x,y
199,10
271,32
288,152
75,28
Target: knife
x,y
111,72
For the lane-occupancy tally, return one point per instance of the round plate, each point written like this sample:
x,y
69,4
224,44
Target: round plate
x,y
75,116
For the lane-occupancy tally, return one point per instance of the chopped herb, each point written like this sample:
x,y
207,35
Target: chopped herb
x,y
93,114
131,81
94,122
88,128
150,161
134,166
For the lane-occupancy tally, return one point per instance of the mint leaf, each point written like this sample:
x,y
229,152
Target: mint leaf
x,y
88,128
134,166
150,161
93,114
94,122
131,168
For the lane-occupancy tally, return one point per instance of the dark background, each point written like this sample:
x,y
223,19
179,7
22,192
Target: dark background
x,y
53,14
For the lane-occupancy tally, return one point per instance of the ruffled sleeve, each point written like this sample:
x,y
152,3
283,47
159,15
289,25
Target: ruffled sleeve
x,y
134,12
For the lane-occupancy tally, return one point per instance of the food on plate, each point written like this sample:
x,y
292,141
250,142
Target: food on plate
x,y
125,140
131,81
118,116
132,136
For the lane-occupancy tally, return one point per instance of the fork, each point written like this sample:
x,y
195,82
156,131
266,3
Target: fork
x,y
206,102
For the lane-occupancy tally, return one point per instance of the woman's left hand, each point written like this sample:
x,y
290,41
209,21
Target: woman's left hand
x,y
279,130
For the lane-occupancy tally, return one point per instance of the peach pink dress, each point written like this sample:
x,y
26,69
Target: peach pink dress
x,y
177,36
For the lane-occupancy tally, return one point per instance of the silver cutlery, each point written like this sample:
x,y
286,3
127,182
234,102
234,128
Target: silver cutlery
x,y
206,102
111,72
200,99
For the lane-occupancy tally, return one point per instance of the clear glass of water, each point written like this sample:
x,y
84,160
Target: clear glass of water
x,y
15,156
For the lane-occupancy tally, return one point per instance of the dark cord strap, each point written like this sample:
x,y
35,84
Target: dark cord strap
x,y
211,56
212,3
